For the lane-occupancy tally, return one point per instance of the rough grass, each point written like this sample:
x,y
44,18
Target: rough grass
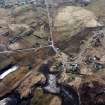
x,y
98,7
40,98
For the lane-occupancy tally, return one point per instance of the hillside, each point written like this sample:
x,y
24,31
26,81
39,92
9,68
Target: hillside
x,y
70,72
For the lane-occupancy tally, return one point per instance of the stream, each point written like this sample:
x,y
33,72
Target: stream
x,y
12,99
67,94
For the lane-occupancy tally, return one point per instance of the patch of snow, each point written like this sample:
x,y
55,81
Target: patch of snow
x,y
3,102
52,86
14,68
